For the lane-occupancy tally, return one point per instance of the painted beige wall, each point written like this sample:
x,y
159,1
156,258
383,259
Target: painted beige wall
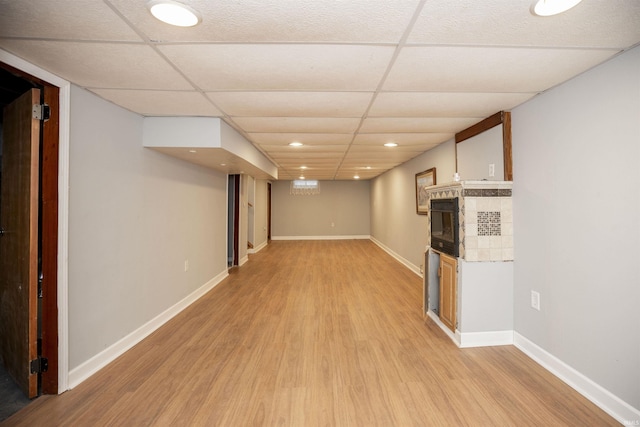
x,y
345,204
395,225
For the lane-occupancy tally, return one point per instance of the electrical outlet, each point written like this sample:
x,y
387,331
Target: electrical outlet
x,y
492,169
333,224
186,265
535,300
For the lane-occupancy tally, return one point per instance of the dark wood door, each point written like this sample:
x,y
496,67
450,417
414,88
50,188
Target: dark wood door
x,y
19,241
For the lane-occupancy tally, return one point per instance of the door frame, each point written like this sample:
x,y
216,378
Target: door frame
x,y
60,284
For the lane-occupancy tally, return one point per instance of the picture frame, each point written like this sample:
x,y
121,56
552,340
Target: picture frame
x,y
424,180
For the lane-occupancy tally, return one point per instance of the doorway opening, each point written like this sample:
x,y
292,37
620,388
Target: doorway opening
x,y
13,85
233,221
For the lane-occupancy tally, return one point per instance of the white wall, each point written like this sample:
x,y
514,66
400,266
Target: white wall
x,y
345,204
394,221
260,214
135,216
576,201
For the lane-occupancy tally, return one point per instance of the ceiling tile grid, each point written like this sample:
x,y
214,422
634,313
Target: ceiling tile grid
x,y
341,77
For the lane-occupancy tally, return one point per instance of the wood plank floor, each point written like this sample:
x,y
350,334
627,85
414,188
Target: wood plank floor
x,y
314,333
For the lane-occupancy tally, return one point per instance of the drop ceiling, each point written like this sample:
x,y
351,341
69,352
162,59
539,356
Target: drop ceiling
x,y
341,76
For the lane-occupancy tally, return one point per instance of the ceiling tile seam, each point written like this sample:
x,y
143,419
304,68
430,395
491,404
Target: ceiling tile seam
x,y
153,46
519,47
401,43
225,117
81,41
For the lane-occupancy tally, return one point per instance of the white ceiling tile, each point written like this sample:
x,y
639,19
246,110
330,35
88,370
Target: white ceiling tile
x,y
603,24
296,104
417,124
283,21
484,69
444,104
404,140
161,103
297,124
63,19
101,65
261,67
308,139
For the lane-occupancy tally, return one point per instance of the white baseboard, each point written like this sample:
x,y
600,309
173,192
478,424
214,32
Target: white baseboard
x,y
485,339
243,260
100,360
356,237
259,247
604,399
454,337
399,258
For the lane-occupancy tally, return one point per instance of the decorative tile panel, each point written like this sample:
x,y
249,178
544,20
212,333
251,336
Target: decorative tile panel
x,y
485,218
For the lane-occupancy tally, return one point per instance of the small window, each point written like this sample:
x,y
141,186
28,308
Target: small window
x,y
305,187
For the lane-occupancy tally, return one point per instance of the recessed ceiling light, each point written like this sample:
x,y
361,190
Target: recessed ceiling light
x,y
552,7
223,164
192,151
296,144
174,13
390,144
356,177
301,177
368,167
303,167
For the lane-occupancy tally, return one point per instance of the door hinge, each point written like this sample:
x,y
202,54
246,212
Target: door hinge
x,y
41,112
39,365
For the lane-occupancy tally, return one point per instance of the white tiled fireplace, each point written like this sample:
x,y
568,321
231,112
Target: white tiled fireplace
x,y
485,218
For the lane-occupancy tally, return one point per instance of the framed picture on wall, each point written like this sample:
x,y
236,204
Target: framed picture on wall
x,y
424,180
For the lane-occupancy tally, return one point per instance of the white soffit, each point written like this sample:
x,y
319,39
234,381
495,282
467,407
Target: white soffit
x,y
221,147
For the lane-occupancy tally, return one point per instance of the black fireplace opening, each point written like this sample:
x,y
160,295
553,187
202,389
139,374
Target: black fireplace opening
x,y
444,226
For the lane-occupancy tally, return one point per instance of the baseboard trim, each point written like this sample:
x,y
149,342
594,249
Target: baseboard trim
x,y
100,360
485,339
604,399
259,247
354,237
398,258
454,337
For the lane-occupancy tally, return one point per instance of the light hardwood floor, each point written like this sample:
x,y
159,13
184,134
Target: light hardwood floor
x,y
314,333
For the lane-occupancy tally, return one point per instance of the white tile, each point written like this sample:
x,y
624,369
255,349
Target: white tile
x,y
416,124
497,22
161,103
258,67
483,69
444,104
286,21
297,124
101,65
296,104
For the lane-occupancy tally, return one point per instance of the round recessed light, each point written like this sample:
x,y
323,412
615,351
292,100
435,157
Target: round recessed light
x,y
552,7
296,144
390,144
356,177
174,13
301,177
192,151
